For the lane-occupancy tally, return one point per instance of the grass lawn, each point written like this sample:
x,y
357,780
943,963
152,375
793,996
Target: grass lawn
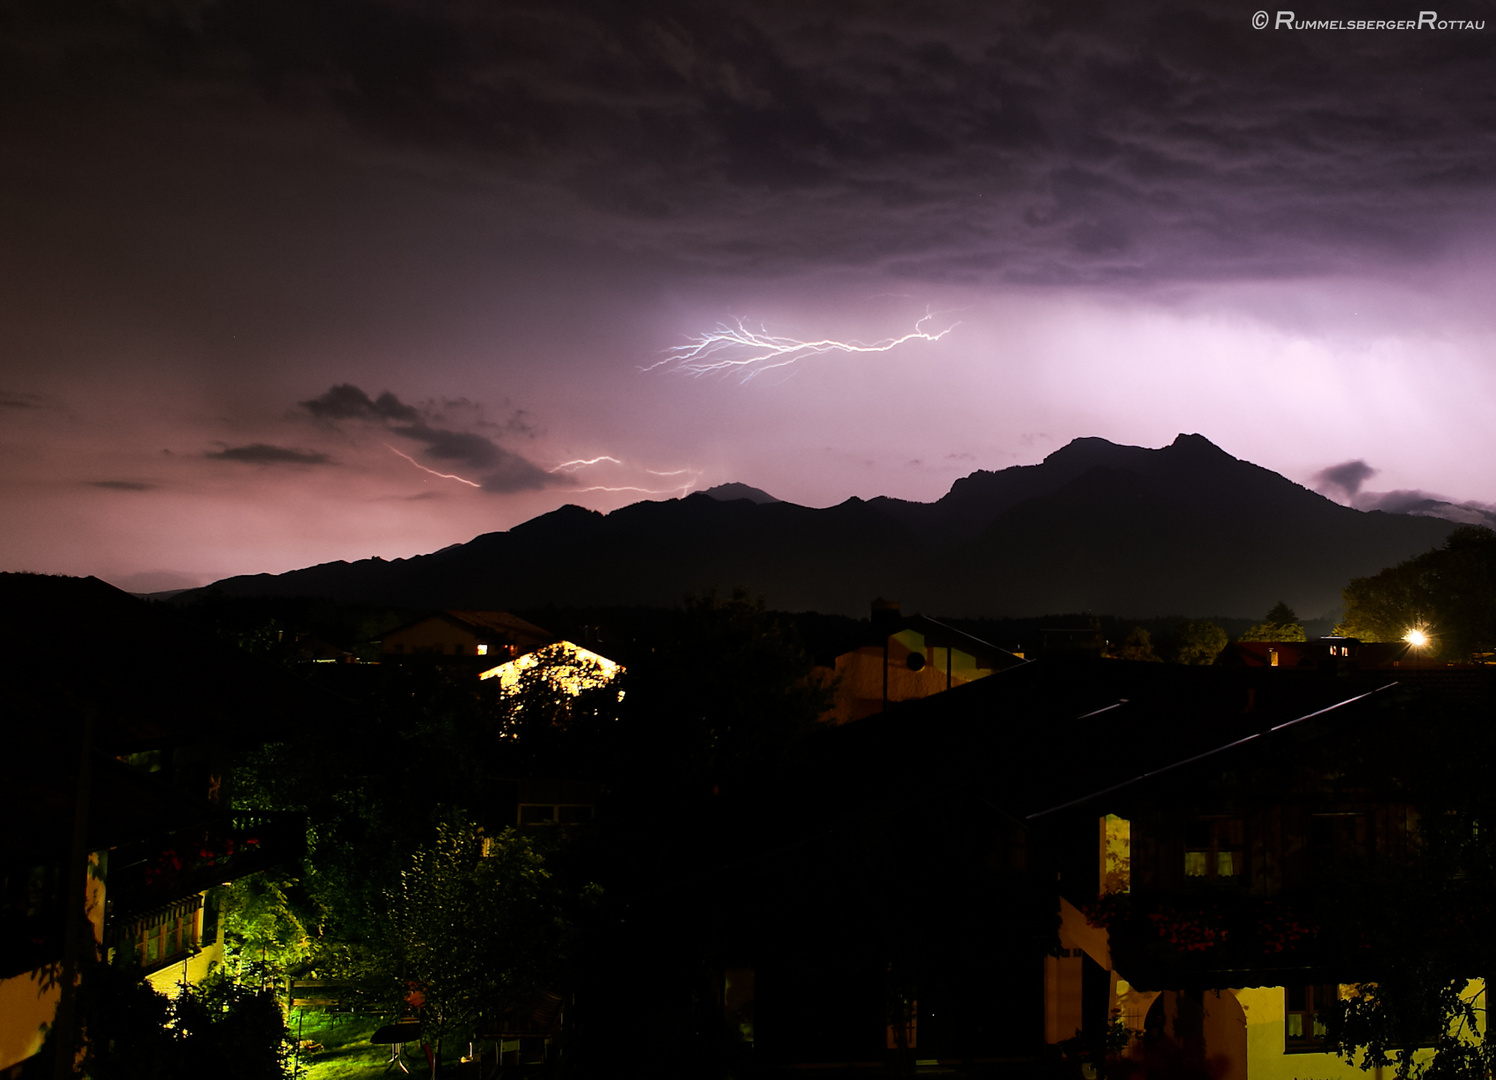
x,y
347,1054
346,1051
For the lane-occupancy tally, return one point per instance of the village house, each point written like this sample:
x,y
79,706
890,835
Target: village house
x,y
122,816
1006,874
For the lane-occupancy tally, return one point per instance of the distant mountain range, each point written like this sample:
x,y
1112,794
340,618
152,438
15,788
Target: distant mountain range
x,y
1123,530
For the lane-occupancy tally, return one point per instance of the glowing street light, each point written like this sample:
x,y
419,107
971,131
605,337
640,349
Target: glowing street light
x,y
1416,638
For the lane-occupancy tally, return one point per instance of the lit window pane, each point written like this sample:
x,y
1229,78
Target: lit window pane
x,y
1226,864
1194,863
1295,1026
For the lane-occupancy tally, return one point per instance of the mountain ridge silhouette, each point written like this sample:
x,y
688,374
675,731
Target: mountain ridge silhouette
x,y
1096,526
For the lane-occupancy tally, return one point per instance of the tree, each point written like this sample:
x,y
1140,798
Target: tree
x,y
725,691
1198,642
474,926
1138,645
1281,624
1421,920
265,934
217,1028
1449,592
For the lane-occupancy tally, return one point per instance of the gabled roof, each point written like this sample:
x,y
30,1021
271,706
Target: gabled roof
x,y
501,622
486,624
940,634
889,620
1037,738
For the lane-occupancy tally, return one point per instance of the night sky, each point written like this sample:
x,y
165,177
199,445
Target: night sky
x,y
287,281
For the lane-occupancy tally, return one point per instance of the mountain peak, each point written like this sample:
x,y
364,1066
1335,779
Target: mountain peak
x,y
729,492
1196,443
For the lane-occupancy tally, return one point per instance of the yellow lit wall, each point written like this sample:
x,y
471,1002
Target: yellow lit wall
x,y
1062,974
194,968
26,1009
859,688
1266,1057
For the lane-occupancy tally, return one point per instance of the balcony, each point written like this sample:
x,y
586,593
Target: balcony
x,y
150,874
1228,939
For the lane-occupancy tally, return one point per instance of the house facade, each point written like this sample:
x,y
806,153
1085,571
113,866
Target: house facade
x,y
493,636
123,818
997,878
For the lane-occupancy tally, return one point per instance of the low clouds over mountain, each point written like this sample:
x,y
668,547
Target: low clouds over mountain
x,y
468,455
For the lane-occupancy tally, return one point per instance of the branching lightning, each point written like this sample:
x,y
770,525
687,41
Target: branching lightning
x,y
735,348
433,472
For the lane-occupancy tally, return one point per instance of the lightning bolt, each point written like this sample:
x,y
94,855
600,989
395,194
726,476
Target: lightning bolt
x,y
579,462
433,472
643,491
737,349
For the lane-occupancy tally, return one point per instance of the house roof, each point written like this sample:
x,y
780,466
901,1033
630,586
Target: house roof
x,y
889,620
497,624
1037,738
1362,654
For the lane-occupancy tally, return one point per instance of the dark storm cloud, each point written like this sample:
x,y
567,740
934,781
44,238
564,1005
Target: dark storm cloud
x,y
499,470
121,485
1345,478
465,452
1139,142
265,454
1120,142
347,402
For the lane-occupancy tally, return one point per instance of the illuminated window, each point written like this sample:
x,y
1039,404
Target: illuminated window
x,y
1303,1015
1214,849
482,650
1116,866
